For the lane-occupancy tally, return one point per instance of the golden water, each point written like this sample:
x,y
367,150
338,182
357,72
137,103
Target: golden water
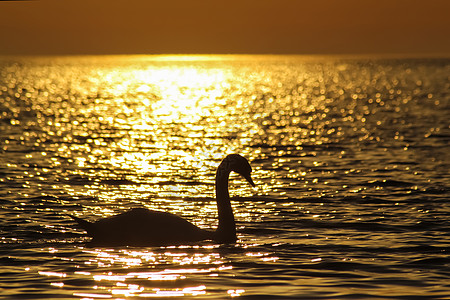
x,y
350,158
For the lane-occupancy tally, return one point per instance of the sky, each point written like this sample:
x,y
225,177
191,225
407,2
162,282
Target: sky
x,y
48,27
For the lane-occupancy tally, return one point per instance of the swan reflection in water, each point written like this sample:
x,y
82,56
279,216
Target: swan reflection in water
x,y
143,227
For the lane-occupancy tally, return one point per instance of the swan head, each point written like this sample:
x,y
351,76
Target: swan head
x,y
240,165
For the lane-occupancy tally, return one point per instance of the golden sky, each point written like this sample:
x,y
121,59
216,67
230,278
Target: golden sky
x,y
224,26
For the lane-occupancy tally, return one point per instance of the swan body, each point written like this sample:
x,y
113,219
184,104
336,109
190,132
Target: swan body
x,y
143,227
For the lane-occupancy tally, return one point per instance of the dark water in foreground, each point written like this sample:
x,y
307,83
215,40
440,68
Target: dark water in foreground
x,y
350,157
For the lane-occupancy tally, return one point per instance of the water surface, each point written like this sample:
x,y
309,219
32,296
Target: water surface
x,y
350,158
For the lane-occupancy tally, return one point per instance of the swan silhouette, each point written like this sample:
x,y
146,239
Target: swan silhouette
x,y
143,227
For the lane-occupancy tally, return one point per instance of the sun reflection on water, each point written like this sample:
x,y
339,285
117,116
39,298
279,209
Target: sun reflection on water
x,y
141,273
139,130
180,271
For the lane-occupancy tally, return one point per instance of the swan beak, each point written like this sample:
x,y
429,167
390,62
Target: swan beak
x,y
249,179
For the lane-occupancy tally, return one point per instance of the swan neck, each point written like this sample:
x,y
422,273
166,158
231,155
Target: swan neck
x,y
226,231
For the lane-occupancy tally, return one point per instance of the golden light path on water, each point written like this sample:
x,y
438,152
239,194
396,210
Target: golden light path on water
x,y
110,284
145,126
173,117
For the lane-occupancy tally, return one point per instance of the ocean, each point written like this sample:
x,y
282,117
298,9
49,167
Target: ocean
x,y
350,157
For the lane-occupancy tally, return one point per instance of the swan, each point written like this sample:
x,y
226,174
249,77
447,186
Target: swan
x,y
143,227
